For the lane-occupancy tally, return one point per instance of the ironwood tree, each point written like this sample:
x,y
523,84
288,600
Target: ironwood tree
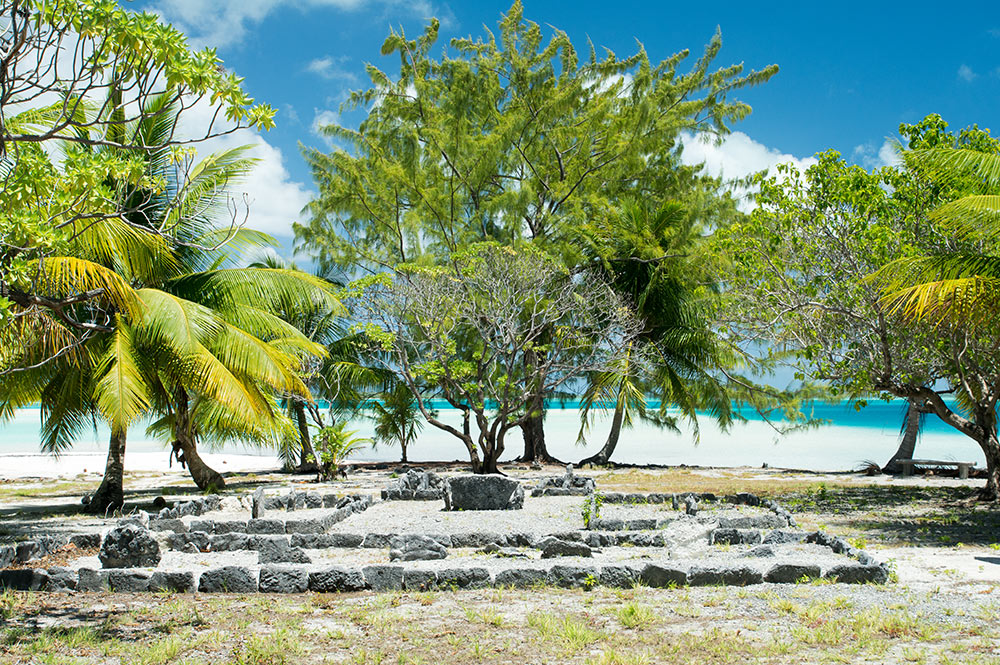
x,y
510,138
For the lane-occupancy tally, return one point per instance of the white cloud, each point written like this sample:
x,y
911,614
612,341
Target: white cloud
x,y
966,74
886,155
737,157
323,118
268,196
330,67
223,22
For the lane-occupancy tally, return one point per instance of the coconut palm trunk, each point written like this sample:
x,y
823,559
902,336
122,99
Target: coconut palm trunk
x,y
307,455
908,442
603,456
203,475
110,496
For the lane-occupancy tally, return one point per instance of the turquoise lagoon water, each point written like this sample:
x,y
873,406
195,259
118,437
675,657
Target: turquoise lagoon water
x,y
851,438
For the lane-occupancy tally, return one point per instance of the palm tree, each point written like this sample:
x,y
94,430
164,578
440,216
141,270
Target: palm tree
x,y
397,420
201,346
958,290
909,432
648,257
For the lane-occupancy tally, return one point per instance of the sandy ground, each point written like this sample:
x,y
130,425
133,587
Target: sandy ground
x,y
71,465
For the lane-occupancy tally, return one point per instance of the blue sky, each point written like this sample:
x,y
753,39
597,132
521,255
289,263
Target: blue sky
x,y
848,76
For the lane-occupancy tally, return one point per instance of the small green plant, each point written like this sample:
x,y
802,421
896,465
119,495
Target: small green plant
x,y
589,582
333,445
859,543
592,508
10,601
634,615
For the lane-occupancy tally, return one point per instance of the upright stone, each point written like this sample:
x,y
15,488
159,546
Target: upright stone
x,y
257,509
483,492
129,546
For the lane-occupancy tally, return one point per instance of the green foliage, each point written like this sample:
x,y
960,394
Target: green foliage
x,y
467,334
397,418
810,267
334,444
508,137
81,161
591,509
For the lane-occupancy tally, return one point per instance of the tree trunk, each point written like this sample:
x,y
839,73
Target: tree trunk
x,y
307,455
603,456
533,427
402,446
203,475
110,496
908,442
990,444
992,490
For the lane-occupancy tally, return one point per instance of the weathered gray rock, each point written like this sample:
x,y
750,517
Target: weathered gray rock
x,y
313,500
175,525
856,573
477,539
129,546
62,579
640,525
568,484
553,547
606,524
503,552
337,579
483,492
274,502
205,526
521,578
620,576
735,537
231,526
257,504
176,582
413,547
92,580
278,579
179,541
8,555
228,579
724,575
765,521
661,577
761,551
190,548
264,526
574,577
25,579
304,526
790,573
86,540
275,549
419,580
127,581
781,537
520,540
378,540
190,508
27,551
383,578
639,539
315,541
463,578
229,542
